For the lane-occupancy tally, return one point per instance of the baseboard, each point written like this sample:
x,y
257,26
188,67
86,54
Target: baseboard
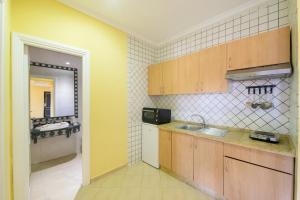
x,y
108,173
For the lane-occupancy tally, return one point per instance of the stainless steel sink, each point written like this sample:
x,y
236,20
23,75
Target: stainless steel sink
x,y
201,130
213,131
190,127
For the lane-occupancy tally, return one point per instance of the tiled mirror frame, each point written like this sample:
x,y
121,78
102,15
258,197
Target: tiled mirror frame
x,y
38,64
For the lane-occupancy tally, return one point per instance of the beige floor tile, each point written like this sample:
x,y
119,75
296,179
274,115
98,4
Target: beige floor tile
x,y
86,193
112,181
173,194
168,181
151,193
123,171
140,182
151,181
132,181
129,194
148,170
136,170
107,194
194,194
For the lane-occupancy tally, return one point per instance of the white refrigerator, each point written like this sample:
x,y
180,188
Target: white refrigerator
x,y
150,144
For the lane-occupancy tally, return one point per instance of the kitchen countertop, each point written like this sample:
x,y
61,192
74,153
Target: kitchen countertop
x,y
239,137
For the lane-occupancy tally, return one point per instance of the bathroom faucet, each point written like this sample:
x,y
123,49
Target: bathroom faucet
x,y
201,117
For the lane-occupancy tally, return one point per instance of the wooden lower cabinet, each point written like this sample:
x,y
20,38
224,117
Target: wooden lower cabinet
x,y
182,155
261,158
208,165
165,149
219,169
246,181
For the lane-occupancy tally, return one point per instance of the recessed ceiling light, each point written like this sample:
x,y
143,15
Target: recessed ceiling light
x,y
67,63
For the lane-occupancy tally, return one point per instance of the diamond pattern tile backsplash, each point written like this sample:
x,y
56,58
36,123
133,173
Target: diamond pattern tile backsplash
x,y
221,109
229,109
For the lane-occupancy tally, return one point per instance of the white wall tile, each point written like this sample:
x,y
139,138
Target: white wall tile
x,y
229,109
220,109
140,55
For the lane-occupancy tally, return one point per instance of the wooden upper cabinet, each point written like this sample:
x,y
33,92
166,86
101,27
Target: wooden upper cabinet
x,y
204,71
155,79
264,49
213,69
243,53
169,74
208,165
165,149
182,155
275,47
188,69
248,182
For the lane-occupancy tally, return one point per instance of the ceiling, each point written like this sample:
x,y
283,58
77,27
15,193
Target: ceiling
x,y
158,20
55,58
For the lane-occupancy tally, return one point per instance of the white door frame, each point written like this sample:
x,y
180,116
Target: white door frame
x,y
3,177
20,109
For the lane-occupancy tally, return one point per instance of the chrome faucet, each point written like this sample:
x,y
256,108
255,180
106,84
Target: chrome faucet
x,y
201,117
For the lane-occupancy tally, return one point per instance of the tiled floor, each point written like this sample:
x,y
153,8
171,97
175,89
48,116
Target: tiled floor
x,y
59,182
139,182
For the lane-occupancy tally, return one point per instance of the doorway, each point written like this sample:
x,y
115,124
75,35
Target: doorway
x,y
23,123
3,162
55,114
47,104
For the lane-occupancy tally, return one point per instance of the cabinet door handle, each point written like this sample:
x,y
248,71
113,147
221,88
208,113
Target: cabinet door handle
x,y
225,166
201,86
195,146
162,90
229,62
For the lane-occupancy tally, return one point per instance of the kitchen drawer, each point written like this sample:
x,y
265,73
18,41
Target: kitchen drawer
x,y
262,158
245,181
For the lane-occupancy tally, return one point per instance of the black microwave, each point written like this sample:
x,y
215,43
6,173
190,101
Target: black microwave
x,y
156,115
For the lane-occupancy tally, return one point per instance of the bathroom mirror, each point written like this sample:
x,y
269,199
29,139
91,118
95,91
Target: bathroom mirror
x,y
53,91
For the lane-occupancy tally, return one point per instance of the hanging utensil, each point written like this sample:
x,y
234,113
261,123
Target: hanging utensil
x,y
249,103
254,104
267,104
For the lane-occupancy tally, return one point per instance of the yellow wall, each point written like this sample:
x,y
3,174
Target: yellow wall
x,y
51,20
7,99
37,96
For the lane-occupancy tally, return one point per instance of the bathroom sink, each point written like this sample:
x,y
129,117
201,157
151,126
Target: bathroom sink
x,y
190,127
213,131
